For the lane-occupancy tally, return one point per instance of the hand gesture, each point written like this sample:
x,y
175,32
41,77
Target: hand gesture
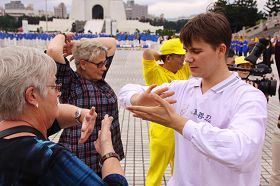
x,y
147,98
161,112
88,125
69,36
103,144
67,48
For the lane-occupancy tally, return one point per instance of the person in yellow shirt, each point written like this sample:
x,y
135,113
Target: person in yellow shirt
x,y
172,66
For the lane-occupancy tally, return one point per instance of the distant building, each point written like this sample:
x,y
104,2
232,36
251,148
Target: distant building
x,y
60,11
97,16
84,10
14,5
40,13
2,11
135,11
17,9
29,7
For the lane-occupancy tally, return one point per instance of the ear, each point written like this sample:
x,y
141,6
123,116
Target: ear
x,y
31,96
222,48
83,64
168,57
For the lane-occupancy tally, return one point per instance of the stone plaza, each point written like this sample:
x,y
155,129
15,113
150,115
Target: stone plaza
x,y
127,68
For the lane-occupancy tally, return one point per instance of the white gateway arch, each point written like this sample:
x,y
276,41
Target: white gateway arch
x,y
85,10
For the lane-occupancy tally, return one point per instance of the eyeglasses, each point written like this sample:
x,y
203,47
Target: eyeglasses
x,y
178,56
57,87
98,65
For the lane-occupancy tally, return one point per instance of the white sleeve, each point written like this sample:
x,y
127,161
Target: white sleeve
x,y
240,144
127,91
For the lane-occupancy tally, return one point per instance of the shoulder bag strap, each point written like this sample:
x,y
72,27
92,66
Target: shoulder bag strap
x,y
18,129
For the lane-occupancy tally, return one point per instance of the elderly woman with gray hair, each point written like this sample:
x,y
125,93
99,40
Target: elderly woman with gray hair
x,y
85,88
28,108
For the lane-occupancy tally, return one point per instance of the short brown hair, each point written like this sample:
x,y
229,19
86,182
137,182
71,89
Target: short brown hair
x,y
213,28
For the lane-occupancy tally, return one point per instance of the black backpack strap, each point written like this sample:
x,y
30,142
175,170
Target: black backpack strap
x,y
18,129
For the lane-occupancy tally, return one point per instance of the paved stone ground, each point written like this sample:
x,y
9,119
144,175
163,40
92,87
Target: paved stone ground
x,y
127,68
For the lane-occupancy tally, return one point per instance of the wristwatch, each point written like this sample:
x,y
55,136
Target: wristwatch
x,y
107,156
78,115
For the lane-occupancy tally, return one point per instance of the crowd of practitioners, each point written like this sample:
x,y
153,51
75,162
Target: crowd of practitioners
x,y
40,40
207,137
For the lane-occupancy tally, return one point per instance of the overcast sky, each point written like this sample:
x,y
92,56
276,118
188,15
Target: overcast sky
x,y
170,8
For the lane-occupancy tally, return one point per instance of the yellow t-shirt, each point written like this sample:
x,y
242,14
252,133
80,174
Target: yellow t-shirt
x,y
155,74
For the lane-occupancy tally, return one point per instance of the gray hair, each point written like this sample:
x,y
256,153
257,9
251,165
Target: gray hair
x,y
20,68
87,49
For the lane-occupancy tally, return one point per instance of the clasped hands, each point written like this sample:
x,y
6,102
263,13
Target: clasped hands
x,y
156,106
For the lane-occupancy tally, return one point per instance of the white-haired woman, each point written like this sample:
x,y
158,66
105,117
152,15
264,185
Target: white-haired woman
x,y
86,88
28,108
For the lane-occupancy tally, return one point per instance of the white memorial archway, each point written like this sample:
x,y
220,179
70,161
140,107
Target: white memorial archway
x,y
85,10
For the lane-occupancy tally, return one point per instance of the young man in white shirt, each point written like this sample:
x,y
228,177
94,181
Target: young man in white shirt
x,y
219,119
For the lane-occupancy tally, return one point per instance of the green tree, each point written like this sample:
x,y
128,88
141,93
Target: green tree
x,y
246,3
175,26
165,32
240,13
272,7
219,6
180,24
9,23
